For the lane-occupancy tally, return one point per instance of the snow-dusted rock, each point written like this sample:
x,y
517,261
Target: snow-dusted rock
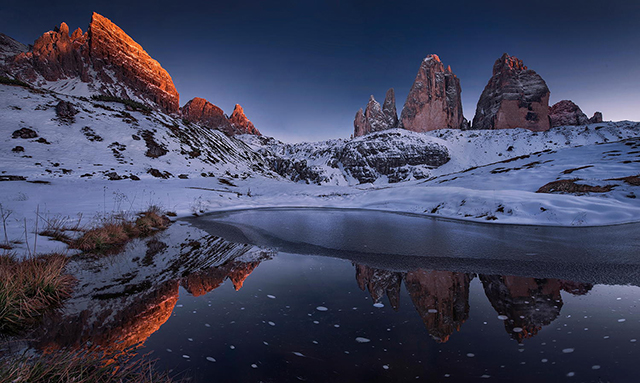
x,y
203,112
394,155
434,99
566,112
515,97
389,109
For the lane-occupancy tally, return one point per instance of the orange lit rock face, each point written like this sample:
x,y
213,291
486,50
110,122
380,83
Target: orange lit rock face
x,y
203,282
105,57
441,298
206,114
111,48
515,97
434,99
528,303
126,328
240,123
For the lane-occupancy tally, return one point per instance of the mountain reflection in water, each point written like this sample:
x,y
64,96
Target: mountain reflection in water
x,y
189,292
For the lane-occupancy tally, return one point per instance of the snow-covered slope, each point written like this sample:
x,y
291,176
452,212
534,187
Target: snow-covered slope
x,y
110,140
400,155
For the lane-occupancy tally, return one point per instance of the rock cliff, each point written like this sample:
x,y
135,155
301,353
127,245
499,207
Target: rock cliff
x,y
434,99
203,112
241,123
515,97
104,60
376,118
566,112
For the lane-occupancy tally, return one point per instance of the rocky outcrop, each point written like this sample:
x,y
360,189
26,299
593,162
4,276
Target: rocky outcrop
x,y
390,154
441,298
597,117
206,114
566,112
515,97
105,58
9,48
376,118
240,123
434,99
527,304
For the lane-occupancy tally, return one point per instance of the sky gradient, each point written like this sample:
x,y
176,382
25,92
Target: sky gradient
x,y
301,69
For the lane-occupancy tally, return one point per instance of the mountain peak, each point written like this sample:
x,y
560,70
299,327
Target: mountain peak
x,y
105,58
241,123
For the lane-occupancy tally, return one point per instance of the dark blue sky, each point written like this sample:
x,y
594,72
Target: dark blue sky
x,y
301,69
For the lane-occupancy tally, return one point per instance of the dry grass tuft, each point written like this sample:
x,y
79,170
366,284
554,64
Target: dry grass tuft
x,y
29,288
65,366
115,233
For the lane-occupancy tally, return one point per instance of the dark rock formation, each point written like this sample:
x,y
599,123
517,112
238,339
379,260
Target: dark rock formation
x,y
389,154
206,114
105,58
240,123
25,133
66,111
515,97
379,282
597,117
389,109
434,99
565,112
376,118
441,298
528,303
9,48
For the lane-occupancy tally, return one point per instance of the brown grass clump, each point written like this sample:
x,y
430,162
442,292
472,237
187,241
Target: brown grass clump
x,y
114,234
65,366
29,288
570,186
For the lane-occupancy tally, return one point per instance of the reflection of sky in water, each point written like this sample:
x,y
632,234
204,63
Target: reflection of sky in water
x,y
275,329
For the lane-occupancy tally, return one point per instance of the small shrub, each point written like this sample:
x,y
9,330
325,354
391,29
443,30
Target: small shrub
x,y
12,81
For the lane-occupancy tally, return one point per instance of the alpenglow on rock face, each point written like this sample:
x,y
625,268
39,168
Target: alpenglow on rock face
x,y
376,118
434,99
566,112
104,58
203,112
515,97
240,123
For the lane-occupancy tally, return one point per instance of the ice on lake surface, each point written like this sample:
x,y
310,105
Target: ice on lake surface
x,y
457,301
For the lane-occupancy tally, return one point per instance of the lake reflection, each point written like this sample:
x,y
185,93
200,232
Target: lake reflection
x,y
225,310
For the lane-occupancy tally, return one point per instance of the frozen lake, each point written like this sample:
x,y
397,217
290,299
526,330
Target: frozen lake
x,y
279,295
